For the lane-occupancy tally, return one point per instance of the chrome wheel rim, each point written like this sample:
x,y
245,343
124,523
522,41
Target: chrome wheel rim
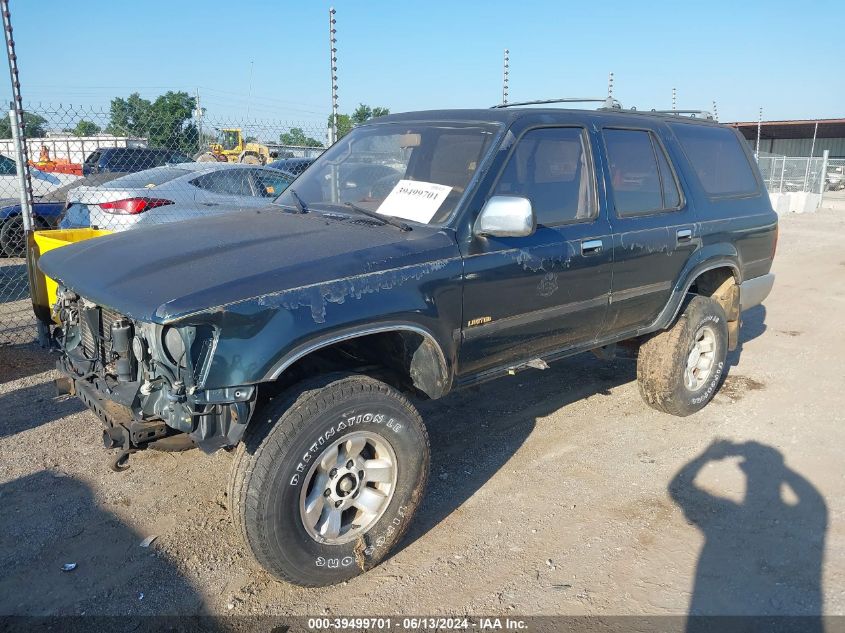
x,y
701,358
348,488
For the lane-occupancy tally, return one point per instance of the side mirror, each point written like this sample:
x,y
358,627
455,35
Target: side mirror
x,y
506,216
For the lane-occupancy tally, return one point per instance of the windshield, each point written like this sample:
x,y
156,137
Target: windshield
x,y
416,171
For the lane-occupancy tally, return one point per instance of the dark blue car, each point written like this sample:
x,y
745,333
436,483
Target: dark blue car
x,y
126,160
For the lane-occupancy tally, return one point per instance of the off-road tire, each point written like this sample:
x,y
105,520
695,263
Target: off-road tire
x,y
662,360
270,467
251,159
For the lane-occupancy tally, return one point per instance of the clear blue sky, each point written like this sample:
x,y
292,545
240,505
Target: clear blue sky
x,y
785,56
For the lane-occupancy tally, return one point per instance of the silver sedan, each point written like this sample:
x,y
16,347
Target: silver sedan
x,y
172,193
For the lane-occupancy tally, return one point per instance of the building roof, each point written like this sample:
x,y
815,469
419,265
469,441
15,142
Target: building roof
x,y
828,128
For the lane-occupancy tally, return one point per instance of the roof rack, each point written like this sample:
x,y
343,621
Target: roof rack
x,y
693,114
609,102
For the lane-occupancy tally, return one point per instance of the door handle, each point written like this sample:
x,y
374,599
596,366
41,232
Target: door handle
x,y
684,235
591,247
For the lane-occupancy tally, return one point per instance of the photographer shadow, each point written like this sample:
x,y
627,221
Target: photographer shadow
x,y
763,556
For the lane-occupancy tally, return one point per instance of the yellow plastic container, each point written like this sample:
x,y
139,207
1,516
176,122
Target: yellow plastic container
x,y
48,240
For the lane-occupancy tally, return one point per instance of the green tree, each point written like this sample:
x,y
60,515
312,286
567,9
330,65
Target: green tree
x,y
162,122
362,114
34,124
296,136
86,128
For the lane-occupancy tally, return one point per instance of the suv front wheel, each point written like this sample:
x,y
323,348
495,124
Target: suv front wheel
x,y
680,370
328,479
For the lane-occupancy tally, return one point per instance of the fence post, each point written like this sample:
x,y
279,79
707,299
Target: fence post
x,y
20,157
825,158
782,170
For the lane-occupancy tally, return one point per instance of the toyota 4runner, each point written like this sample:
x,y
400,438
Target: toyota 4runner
x,y
421,253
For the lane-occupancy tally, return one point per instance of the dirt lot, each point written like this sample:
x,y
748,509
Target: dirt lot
x,y
554,492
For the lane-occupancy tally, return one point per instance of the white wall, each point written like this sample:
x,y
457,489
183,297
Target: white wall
x,y
795,202
71,148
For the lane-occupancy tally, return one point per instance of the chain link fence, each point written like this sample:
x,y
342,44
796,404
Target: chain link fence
x,y
835,176
132,165
787,174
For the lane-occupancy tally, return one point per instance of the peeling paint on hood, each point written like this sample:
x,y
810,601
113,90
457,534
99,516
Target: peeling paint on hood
x,y
166,272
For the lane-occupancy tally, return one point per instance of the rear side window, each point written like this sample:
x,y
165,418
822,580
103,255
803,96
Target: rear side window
x,y
719,161
230,182
551,167
148,178
640,175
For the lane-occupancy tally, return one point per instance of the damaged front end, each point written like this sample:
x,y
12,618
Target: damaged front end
x,y
144,380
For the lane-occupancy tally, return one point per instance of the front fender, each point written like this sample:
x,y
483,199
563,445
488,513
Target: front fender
x,y
257,340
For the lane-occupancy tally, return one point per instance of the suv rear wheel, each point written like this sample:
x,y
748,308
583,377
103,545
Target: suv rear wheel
x,y
679,370
327,480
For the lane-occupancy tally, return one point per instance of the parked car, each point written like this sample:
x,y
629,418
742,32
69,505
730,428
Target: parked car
x,y
42,182
130,159
835,179
293,166
299,334
169,194
46,213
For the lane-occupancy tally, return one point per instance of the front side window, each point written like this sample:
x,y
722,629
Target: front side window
x,y
719,161
413,171
640,175
551,167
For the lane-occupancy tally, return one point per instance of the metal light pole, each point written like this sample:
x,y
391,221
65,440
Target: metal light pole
x,y
199,111
505,74
810,159
333,58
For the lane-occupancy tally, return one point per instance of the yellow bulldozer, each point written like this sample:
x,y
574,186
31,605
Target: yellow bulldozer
x,y
231,147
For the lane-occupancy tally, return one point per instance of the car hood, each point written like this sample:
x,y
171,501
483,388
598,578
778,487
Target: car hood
x,y
170,271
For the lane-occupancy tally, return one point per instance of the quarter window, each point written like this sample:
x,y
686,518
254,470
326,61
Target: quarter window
x,y
719,161
640,175
551,167
270,185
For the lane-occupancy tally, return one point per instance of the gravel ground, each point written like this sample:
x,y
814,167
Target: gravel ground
x,y
553,492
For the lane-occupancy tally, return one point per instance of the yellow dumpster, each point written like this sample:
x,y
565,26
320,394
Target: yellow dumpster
x,y
47,241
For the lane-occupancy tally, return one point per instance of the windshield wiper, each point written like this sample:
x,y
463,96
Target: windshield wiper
x,y
300,203
384,219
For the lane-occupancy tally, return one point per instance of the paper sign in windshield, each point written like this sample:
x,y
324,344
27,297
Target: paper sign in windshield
x,y
414,200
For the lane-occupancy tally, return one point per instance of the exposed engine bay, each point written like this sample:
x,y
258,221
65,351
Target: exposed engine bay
x,y
144,380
